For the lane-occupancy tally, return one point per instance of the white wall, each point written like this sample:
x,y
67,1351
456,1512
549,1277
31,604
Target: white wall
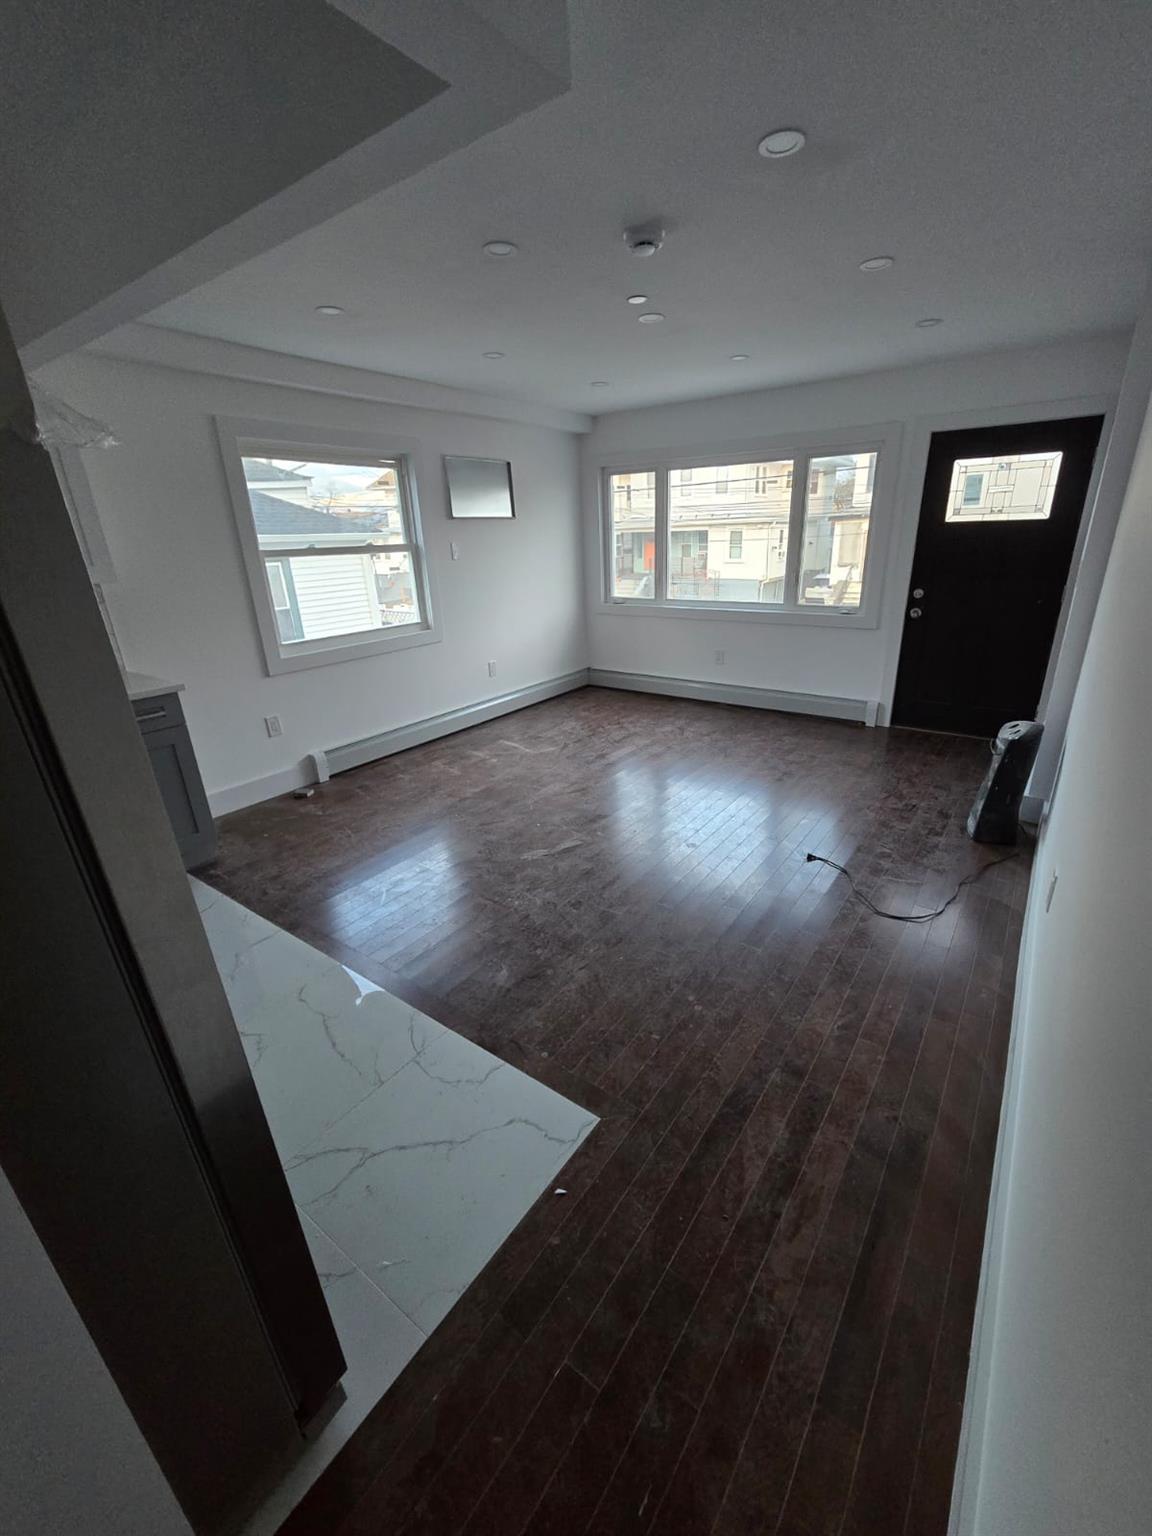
x,y
1058,1427
1076,621
1062,379
182,606
72,1460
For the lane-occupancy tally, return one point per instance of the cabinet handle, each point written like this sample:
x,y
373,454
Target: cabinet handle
x,y
153,714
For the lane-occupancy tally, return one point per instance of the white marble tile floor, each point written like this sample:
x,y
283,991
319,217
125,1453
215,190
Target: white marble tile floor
x,y
411,1153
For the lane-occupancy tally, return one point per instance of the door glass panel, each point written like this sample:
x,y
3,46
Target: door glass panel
x,y
1015,489
837,512
728,532
632,508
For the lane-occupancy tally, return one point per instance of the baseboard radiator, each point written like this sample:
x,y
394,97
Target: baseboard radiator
x,y
384,743
354,754
827,705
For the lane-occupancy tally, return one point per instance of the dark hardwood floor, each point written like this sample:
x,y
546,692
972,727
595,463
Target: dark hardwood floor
x,y
752,1311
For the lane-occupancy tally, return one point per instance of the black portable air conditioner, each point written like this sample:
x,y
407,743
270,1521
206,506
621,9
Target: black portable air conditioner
x,y
995,814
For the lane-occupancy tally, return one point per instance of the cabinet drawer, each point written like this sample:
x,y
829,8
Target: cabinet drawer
x,y
159,712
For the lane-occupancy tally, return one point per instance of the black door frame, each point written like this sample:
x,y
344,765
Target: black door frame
x,y
1088,419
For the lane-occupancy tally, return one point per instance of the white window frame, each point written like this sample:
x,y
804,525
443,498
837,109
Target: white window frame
x,y
800,448
243,437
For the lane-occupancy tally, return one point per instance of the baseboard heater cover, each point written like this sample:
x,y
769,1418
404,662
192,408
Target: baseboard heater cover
x,y
824,704
385,743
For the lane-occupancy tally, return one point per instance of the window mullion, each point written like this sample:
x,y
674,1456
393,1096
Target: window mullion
x,y
662,536
308,551
404,496
792,564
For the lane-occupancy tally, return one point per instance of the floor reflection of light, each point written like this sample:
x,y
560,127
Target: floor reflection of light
x,y
678,812
419,889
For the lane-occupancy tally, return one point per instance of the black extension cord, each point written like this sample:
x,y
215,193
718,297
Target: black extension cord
x,y
904,917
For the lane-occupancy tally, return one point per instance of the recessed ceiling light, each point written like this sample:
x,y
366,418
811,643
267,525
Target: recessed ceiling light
x,y
653,317
494,355
329,309
598,384
501,248
739,357
929,322
781,142
637,298
877,263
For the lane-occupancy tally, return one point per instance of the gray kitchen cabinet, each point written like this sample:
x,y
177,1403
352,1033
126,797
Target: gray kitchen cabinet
x,y
162,726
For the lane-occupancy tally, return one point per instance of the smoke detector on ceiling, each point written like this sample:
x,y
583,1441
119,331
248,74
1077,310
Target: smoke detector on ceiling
x,y
644,239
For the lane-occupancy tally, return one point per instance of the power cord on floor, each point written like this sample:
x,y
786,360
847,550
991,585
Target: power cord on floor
x,y
916,917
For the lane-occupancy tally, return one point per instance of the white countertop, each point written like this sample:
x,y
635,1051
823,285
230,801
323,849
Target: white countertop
x,y
141,685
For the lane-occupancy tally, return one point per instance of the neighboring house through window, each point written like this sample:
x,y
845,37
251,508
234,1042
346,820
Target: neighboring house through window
x,y
331,543
736,535
283,592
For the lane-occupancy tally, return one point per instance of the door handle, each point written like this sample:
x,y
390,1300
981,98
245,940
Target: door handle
x,y
914,613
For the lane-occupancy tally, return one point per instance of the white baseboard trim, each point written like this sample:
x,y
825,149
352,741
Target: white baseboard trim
x,y
385,743
236,796
733,693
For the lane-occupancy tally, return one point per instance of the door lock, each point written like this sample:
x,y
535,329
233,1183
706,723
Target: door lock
x,y
914,613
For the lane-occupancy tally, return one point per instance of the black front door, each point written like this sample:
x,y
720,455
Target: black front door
x,y
998,524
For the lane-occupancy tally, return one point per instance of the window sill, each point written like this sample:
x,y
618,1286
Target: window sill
x,y
828,618
357,649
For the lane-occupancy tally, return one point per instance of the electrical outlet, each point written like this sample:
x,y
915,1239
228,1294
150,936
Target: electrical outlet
x,y
272,725
719,658
1051,891
454,549
491,669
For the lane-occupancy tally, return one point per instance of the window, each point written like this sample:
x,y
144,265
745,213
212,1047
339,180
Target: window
x,y
759,496
331,542
766,477
632,510
1012,490
837,512
785,534
973,490
688,560
284,604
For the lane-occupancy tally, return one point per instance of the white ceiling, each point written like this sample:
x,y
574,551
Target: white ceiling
x,y
151,145
99,104
999,152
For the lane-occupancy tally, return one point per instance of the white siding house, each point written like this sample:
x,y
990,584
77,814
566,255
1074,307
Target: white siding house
x,y
315,596
335,596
